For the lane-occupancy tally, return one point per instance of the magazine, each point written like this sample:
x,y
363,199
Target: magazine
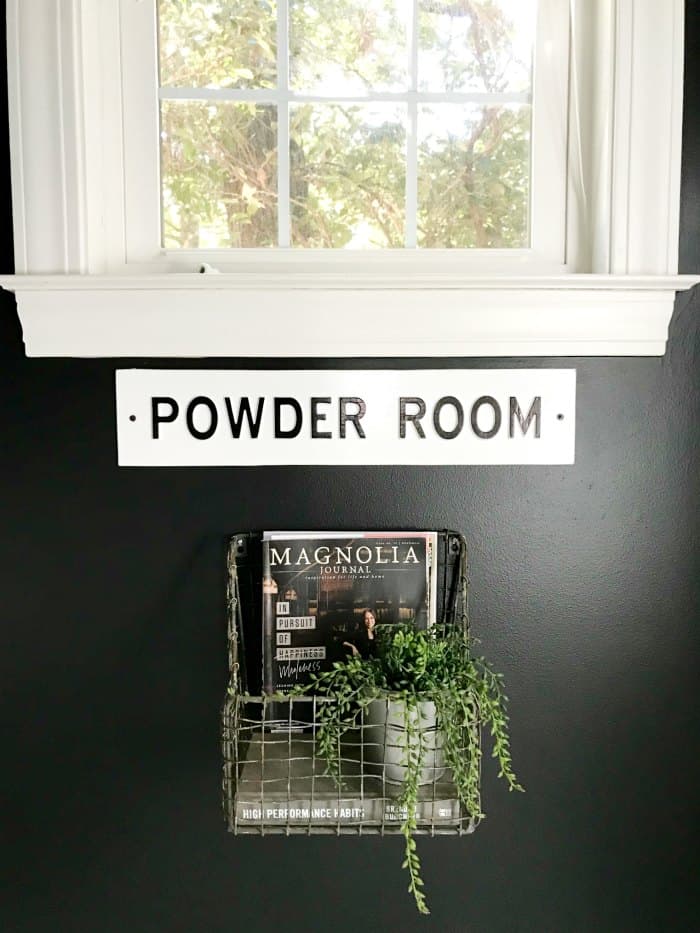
x,y
325,593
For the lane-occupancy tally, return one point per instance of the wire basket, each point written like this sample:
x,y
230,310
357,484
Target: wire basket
x,y
275,781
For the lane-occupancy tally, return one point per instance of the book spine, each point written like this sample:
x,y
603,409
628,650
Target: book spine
x,y
268,620
343,812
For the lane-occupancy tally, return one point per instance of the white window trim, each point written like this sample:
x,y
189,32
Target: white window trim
x,y
65,89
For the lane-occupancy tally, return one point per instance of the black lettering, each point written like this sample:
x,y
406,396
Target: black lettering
x,y
414,417
355,418
448,400
213,417
158,419
244,410
291,403
317,416
535,412
486,400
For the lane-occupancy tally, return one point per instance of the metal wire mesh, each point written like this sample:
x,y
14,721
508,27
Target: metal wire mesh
x,y
275,781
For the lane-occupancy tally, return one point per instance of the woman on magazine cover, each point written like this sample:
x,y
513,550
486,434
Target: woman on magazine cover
x,y
364,644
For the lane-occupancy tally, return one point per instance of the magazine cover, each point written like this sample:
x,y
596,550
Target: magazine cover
x,y
324,593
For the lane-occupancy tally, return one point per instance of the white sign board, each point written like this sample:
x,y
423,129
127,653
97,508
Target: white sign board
x,y
208,417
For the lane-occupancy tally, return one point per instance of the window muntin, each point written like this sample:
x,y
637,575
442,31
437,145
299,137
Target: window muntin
x,y
378,133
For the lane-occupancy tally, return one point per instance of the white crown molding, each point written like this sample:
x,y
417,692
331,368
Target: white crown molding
x,y
335,316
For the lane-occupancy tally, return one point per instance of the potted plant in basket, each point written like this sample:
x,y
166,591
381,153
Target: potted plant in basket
x,y
427,696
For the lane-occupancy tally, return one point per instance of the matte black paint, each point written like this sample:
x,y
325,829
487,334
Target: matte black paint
x,y
689,252
113,664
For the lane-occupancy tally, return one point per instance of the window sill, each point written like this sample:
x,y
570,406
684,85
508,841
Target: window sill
x,y
337,315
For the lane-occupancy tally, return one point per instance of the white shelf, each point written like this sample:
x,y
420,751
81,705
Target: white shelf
x,y
338,315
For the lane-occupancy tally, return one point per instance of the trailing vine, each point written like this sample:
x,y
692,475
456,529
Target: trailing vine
x,y
414,755
413,667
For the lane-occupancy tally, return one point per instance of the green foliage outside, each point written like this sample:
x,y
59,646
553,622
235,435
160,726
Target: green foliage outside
x,y
347,182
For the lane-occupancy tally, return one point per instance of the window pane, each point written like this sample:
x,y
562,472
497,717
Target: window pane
x,y
343,47
481,46
473,176
219,174
217,43
347,175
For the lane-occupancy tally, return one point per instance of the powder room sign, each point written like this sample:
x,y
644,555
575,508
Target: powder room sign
x,y
252,418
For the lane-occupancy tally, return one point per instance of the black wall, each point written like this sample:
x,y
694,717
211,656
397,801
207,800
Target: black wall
x,y
113,662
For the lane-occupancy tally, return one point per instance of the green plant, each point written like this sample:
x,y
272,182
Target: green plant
x,y
412,667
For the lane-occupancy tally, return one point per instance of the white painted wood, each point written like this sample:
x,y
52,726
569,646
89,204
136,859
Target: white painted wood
x,y
397,280
625,134
64,83
18,132
141,121
411,233
284,230
72,64
286,94
65,140
104,230
647,118
550,129
591,90
44,131
352,261
64,77
67,155
329,316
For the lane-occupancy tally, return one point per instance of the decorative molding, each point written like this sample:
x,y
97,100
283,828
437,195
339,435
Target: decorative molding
x,y
626,108
646,137
335,316
64,95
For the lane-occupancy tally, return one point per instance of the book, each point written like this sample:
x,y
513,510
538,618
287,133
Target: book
x,y
324,593
286,785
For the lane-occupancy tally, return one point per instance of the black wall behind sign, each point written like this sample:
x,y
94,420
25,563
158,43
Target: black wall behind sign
x,y
113,662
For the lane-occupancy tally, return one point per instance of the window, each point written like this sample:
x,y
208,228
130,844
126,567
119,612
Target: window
x,y
347,124
356,123
585,264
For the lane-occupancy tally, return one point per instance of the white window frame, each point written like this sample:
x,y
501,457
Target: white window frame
x,y
548,177
78,295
